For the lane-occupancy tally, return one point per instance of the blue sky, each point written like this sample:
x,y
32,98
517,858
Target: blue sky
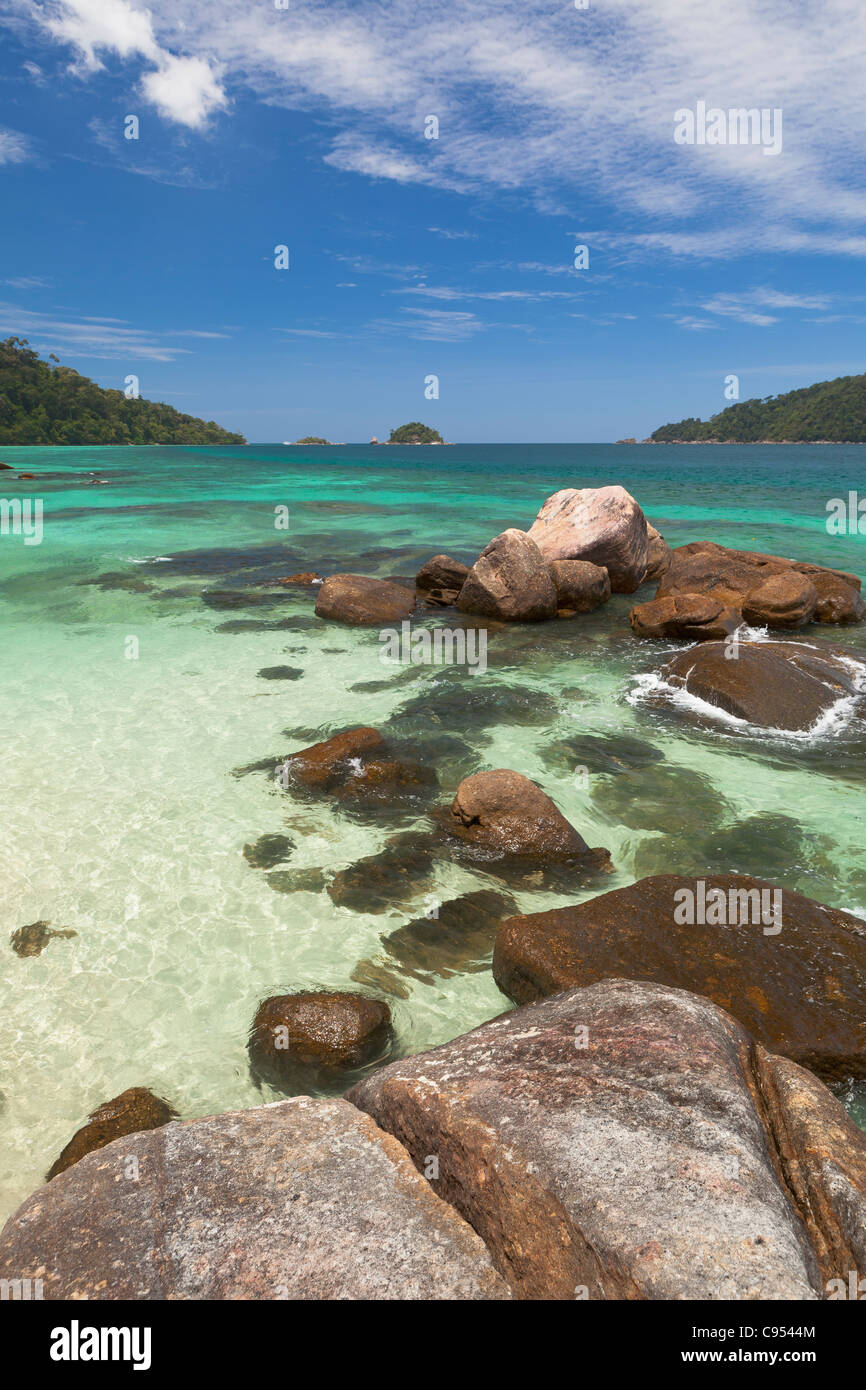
x,y
453,257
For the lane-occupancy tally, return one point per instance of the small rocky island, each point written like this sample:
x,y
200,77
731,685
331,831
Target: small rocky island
x,y
414,433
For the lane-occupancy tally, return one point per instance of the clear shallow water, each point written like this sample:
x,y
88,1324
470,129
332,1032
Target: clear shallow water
x,y
122,819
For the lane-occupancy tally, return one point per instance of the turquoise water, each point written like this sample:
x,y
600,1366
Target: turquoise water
x,y
123,820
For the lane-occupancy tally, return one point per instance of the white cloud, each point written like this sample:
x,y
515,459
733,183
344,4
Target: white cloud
x,y
185,90
15,148
86,337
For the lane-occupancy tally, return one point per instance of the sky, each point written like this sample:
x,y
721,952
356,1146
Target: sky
x,y
431,170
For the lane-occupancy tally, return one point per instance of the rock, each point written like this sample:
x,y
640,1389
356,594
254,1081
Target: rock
x,y
311,880
509,581
305,1199
281,673
306,577
364,602
660,795
782,600
395,875
455,937
800,991
604,525
504,815
268,850
580,586
615,753
295,1037
129,1113
658,555
386,780
442,573
327,764
612,1143
32,939
693,617
838,601
775,685
702,567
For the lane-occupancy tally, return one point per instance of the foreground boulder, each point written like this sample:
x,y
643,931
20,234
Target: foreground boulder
x,y
658,555
782,600
580,586
441,578
702,567
693,617
364,602
296,1036
305,1199
503,815
791,970
604,525
132,1111
509,581
775,685
610,1143
327,764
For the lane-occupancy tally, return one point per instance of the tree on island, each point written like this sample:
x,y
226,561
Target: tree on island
x,y
415,433
312,439
45,403
832,411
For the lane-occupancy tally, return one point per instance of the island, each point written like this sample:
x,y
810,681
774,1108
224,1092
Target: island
x,y
312,439
46,403
830,412
415,433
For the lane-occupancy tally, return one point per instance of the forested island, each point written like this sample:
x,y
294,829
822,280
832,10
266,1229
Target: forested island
x,y
828,412
46,403
415,433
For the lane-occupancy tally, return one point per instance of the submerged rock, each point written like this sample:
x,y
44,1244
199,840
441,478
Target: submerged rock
x,y
604,525
364,602
455,937
129,1113
791,970
32,939
612,1143
777,685
326,765
395,875
268,850
295,1037
281,673
310,880
305,1199
509,581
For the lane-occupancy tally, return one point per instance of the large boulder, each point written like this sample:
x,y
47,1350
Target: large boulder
x,y
797,983
580,586
132,1111
359,768
613,1142
442,575
325,765
702,567
692,617
298,1036
305,1199
364,602
509,581
776,685
604,525
658,555
782,600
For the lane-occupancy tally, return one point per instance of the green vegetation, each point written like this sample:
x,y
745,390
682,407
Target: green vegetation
x,y
312,439
831,410
415,433
41,403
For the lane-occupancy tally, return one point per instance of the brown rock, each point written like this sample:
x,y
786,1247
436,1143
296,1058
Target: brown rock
x,y
612,1142
129,1113
800,990
32,939
580,586
395,875
658,555
505,815
455,937
305,1199
604,525
442,573
782,600
298,1035
384,778
509,581
326,765
693,617
364,602
776,685
838,601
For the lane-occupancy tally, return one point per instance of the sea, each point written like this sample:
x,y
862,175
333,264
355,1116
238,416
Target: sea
x,y
133,637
